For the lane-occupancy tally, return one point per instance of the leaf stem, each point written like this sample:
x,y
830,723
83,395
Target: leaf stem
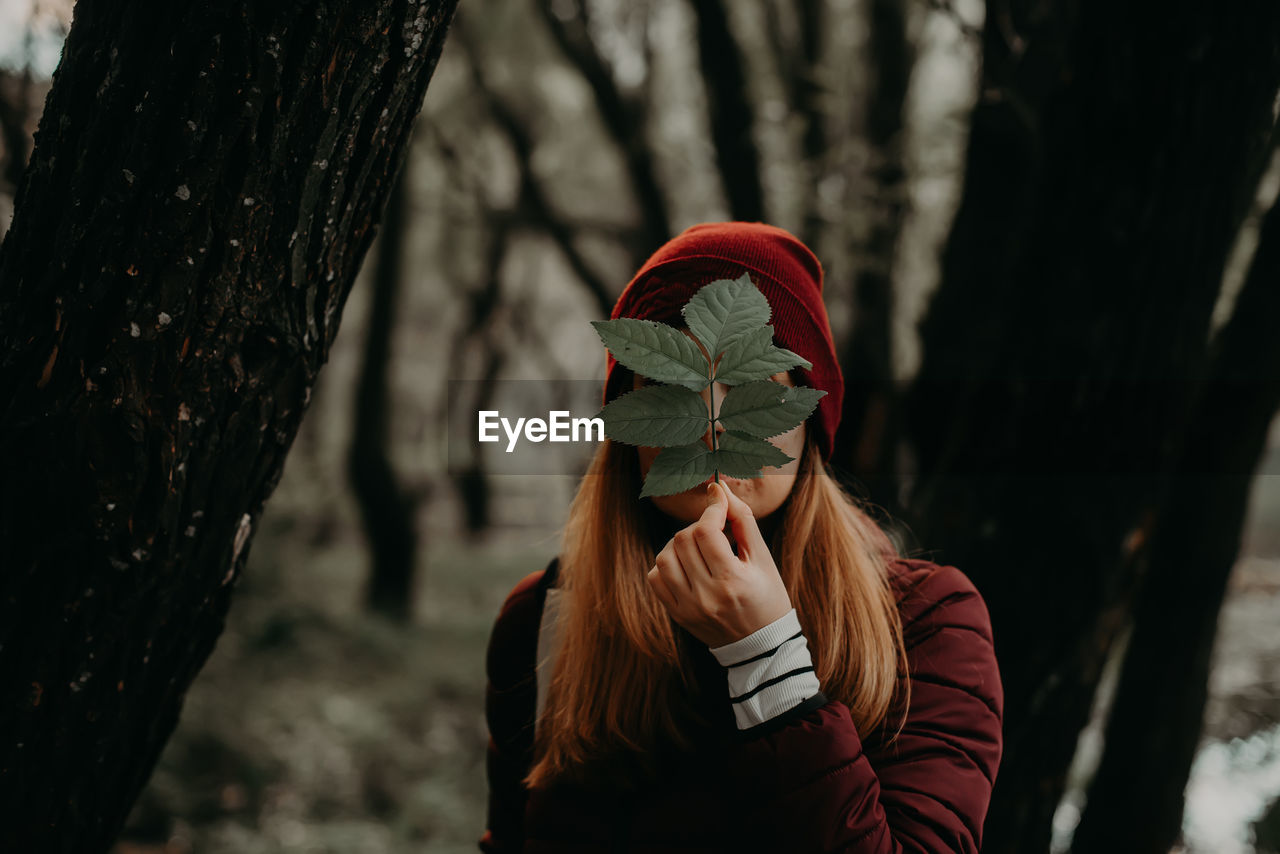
x,y
715,471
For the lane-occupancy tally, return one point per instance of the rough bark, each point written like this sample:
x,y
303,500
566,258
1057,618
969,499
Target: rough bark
x,y
385,508
1109,154
205,183
1154,725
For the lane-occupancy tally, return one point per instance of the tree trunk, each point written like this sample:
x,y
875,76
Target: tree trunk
x,y
867,441
732,115
800,63
385,508
1109,155
484,302
1155,721
205,183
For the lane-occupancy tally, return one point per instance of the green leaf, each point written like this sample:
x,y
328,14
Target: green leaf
x,y
730,318
655,350
764,408
753,356
724,310
658,416
739,455
677,469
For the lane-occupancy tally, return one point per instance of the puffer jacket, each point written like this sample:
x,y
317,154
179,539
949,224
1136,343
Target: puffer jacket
x,y
808,781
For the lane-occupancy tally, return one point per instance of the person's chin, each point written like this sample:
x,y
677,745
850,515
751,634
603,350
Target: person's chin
x,y
737,484
686,506
690,504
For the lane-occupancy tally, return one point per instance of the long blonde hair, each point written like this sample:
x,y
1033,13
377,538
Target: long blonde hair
x,y
620,683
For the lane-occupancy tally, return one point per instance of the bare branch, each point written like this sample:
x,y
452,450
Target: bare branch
x,y
623,117
531,190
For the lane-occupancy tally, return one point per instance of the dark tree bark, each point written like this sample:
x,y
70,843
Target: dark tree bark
x,y
1110,154
866,443
731,111
1154,726
206,181
385,508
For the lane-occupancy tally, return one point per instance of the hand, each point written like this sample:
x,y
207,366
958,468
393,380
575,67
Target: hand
x,y
720,597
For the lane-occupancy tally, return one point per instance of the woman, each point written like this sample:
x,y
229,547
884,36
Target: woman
x,y
726,669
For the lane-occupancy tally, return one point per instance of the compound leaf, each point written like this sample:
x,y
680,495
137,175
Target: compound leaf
x,y
730,318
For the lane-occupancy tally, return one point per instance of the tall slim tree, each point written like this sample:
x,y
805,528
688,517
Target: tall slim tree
x,y
866,442
206,181
386,508
1112,153
1154,726
730,110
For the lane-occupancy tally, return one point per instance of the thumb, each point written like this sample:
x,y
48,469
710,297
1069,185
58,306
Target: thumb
x,y
717,505
742,522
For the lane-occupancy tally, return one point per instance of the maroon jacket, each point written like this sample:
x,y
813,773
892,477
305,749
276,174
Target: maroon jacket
x,y
810,782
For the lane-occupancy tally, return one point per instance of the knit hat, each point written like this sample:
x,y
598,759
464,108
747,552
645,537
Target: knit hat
x,y
786,272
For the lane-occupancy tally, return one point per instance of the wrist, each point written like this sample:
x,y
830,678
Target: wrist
x,y
747,624
767,637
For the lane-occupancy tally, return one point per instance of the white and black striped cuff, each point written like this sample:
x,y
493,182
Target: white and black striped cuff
x,y
770,671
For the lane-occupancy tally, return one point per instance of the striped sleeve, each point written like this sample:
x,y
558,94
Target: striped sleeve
x,y
770,672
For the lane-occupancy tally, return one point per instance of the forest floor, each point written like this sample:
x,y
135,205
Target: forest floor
x,y
317,727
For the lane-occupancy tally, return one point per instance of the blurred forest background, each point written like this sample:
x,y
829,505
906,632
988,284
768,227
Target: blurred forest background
x,y
560,142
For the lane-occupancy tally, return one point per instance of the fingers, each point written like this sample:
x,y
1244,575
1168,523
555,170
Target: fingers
x,y
742,522
668,576
713,593
708,531
691,559
717,506
660,590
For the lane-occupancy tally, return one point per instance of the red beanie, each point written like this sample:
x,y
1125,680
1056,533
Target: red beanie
x,y
785,271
